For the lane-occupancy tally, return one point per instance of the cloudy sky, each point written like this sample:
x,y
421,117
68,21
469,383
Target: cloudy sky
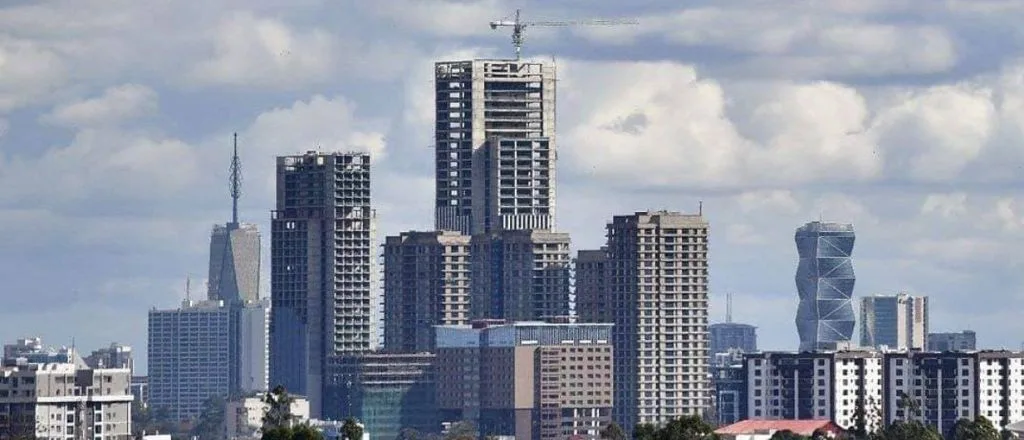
x,y
904,117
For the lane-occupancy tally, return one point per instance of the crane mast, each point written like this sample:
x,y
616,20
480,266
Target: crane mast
x,y
518,26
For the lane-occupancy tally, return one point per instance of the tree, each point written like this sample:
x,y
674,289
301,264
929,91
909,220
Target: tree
x,y
786,434
645,431
306,432
613,432
297,432
912,430
687,428
279,409
408,434
464,430
351,429
211,421
978,429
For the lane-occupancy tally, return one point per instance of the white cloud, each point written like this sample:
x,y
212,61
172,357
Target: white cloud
x,y
949,206
440,17
255,51
768,202
115,105
810,41
27,72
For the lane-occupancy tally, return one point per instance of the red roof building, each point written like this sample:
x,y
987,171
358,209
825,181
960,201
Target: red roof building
x,y
764,429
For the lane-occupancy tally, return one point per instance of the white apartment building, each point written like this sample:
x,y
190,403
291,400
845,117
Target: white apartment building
x,y
243,418
941,387
822,385
61,401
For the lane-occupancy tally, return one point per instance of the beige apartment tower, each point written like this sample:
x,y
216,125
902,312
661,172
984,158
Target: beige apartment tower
x,y
656,276
426,283
531,380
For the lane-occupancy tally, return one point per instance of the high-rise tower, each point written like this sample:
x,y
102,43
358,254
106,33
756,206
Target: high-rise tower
x,y
495,145
235,250
824,281
896,321
323,292
656,276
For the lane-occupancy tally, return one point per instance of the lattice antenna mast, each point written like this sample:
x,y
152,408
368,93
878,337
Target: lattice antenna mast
x,y
235,183
518,26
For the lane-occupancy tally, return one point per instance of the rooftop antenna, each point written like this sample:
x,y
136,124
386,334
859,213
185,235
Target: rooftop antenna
x,y
700,207
728,308
188,287
518,26
235,183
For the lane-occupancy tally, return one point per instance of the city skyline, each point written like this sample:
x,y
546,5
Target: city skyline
x,y
123,226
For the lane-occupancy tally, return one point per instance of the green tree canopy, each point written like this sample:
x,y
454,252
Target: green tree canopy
x,y
351,430
687,428
645,431
211,422
978,429
279,409
613,432
464,430
912,430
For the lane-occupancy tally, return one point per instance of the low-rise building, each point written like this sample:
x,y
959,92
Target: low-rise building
x,y
59,401
243,418
765,429
528,379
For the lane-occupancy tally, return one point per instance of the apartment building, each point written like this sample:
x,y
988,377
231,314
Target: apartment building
x,y
935,388
426,283
243,417
520,275
528,379
190,357
656,278
60,401
324,295
812,385
592,295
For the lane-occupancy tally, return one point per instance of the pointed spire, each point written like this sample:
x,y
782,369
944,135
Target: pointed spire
x,y
235,183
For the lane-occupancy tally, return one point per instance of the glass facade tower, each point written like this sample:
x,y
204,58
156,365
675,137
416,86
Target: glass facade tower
x,y
824,281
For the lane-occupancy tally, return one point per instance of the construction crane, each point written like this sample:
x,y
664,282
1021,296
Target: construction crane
x,y
518,26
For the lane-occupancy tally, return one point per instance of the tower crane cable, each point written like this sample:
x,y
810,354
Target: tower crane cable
x,y
518,26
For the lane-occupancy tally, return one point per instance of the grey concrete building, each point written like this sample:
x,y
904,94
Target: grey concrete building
x,y
324,293
426,283
530,380
114,356
191,358
495,146
60,401
592,295
31,350
658,282
520,275
895,321
966,340
234,263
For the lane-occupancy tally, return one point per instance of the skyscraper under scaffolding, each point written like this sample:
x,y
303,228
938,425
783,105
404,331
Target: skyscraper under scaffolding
x,y
495,181
322,269
495,145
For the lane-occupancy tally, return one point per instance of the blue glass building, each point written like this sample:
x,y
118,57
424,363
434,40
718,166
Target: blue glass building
x,y
824,281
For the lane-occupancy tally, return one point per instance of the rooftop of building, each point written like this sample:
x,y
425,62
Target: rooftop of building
x,y
732,325
823,226
801,427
